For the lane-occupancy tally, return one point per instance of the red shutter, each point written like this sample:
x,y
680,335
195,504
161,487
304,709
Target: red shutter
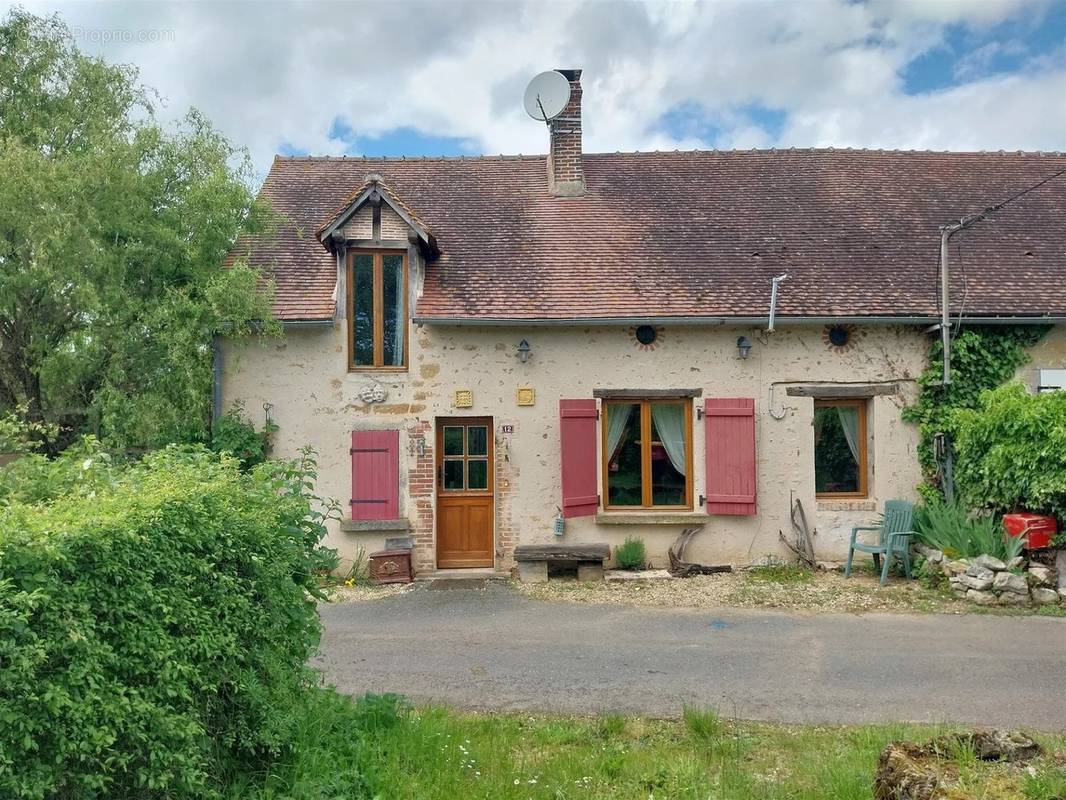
x,y
577,430
730,430
375,474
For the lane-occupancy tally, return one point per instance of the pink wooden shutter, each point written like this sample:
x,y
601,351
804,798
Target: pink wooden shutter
x,y
730,429
577,429
375,474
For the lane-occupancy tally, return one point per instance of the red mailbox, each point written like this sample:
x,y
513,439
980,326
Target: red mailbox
x,y
1038,529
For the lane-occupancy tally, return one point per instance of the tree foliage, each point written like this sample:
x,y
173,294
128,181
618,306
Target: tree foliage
x,y
981,359
1011,451
156,618
112,230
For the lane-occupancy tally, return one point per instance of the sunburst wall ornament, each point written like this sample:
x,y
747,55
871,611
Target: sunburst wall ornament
x,y
647,337
841,338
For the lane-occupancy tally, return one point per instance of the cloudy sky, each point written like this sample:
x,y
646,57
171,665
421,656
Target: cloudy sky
x,y
392,78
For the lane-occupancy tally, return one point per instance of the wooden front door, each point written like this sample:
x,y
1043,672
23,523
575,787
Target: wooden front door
x,y
465,508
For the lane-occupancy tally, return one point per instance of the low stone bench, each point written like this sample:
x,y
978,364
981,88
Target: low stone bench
x,y
532,560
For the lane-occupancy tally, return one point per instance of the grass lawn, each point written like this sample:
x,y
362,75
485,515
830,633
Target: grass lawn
x,y
365,749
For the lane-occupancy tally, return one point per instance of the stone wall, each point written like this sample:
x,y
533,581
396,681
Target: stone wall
x,y
988,581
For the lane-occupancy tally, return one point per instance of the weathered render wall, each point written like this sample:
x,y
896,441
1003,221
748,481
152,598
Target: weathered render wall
x,y
316,401
1049,353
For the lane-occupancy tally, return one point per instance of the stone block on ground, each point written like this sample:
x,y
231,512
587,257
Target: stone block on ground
x,y
1016,563
1009,582
977,571
990,562
1041,576
956,567
930,553
908,771
533,571
1060,567
617,575
1013,599
979,583
1044,596
590,570
981,598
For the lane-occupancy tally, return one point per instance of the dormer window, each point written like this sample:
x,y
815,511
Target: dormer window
x,y
377,309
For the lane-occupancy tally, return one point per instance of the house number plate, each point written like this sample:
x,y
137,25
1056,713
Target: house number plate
x,y
507,429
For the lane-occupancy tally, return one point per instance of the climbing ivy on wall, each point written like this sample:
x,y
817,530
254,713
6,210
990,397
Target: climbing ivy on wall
x,y
981,358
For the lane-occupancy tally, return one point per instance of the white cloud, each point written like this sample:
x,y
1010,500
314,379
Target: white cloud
x,y
274,73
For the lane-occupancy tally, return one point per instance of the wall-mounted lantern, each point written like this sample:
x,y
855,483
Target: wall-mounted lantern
x,y
524,351
743,346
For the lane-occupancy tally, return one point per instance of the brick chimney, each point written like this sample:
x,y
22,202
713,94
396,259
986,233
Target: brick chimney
x,y
566,177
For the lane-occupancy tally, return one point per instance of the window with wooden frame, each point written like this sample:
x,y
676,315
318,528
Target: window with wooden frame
x,y
647,453
377,310
840,467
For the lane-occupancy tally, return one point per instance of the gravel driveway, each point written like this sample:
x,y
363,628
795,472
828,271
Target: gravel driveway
x,y
484,647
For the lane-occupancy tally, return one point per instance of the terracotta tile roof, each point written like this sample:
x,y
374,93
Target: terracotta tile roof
x,y
373,179
695,234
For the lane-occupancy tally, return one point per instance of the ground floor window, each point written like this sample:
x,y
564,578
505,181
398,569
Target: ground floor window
x,y
647,453
840,448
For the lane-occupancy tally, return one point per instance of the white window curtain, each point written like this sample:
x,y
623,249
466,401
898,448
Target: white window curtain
x,y
849,423
669,419
617,417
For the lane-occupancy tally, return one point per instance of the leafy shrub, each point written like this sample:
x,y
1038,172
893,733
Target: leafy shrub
x,y
981,358
155,631
702,723
233,434
1011,451
20,434
80,471
630,554
950,528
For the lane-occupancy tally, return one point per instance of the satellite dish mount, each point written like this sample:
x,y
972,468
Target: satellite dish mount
x,y
547,96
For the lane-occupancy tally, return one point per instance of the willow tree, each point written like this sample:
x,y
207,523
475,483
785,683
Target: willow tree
x,y
112,229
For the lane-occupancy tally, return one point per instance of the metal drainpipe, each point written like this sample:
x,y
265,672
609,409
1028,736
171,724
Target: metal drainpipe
x,y
773,300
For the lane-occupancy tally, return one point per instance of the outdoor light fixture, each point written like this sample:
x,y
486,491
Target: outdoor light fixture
x,y
524,351
743,346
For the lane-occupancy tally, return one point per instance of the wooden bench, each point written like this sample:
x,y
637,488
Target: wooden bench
x,y
532,560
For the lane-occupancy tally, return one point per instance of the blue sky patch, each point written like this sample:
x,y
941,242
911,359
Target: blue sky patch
x,y
967,54
691,120
403,141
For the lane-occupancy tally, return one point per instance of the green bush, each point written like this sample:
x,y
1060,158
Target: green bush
x,y
630,554
154,630
232,433
950,528
1010,452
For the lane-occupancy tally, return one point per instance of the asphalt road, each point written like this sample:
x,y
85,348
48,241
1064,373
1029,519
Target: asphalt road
x,y
487,648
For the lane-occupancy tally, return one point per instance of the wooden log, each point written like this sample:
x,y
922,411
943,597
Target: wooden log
x,y
842,391
562,552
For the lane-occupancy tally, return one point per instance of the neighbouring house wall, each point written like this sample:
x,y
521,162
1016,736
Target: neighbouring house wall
x,y
1048,353
316,401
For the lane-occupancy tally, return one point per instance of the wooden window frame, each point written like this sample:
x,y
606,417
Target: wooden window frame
x,y
864,464
489,458
379,364
645,404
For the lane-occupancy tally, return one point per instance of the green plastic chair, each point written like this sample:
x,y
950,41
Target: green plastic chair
x,y
895,540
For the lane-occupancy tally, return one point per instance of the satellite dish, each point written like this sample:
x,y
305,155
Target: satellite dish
x,y
547,96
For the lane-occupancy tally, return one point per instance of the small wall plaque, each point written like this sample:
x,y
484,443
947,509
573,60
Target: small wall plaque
x,y
526,396
464,398
507,429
